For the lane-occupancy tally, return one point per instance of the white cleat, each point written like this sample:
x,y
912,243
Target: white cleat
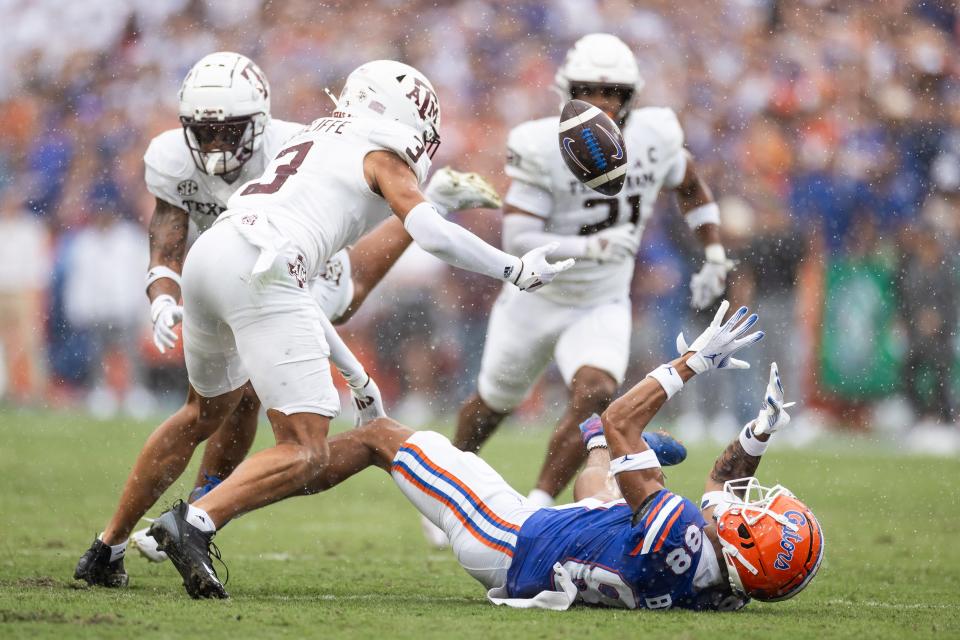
x,y
436,537
147,546
454,191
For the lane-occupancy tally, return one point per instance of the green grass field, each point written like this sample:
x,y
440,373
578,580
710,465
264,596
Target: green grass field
x,y
351,563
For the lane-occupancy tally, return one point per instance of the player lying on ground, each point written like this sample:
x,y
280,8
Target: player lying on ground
x,y
582,321
249,318
192,172
647,549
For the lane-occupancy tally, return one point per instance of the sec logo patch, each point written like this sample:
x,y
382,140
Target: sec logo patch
x,y
187,188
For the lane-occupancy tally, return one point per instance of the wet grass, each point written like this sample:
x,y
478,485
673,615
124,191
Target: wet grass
x,y
352,564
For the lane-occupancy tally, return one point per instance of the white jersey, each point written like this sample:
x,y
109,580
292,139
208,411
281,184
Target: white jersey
x,y
314,192
545,187
173,177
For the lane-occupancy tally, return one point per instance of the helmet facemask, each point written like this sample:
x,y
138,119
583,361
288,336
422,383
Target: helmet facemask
x,y
231,142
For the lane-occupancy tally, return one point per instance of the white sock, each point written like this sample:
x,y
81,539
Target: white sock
x,y
117,551
199,518
541,498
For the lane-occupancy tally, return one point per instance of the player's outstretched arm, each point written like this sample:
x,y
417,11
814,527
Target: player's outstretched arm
x,y
633,463
703,217
376,253
168,247
395,181
742,456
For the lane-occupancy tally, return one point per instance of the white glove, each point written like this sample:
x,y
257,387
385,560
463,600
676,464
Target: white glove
x,y
450,190
709,283
774,414
165,314
368,402
535,271
714,348
615,244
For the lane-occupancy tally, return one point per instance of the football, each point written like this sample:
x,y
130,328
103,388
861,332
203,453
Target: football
x,y
592,147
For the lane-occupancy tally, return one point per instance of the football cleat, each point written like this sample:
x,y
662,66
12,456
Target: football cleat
x,y
454,191
189,549
146,546
772,544
669,450
95,567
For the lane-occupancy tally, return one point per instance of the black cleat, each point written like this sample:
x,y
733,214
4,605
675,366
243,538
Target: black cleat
x,y
189,550
96,569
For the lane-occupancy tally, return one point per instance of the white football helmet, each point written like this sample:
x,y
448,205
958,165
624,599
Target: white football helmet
x,y
395,91
600,60
224,108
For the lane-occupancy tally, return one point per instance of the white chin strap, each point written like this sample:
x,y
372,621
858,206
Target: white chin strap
x,y
730,553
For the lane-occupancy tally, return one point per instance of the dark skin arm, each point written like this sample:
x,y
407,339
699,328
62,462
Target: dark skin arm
x,y
389,176
372,257
168,245
693,192
623,424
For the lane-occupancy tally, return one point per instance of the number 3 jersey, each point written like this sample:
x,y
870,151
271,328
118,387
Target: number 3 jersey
x,y
314,192
652,564
542,185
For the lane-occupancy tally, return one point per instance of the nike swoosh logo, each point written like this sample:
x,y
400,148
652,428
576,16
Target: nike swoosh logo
x,y
619,153
566,147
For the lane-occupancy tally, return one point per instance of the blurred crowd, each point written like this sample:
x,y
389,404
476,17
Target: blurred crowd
x,y
829,130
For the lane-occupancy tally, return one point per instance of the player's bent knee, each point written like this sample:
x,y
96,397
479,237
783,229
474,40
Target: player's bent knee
x,y
593,389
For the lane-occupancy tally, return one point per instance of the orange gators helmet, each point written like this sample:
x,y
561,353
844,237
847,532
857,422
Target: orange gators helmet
x,y
772,543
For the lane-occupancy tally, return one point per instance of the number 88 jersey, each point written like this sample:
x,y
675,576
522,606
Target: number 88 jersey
x,y
614,562
545,187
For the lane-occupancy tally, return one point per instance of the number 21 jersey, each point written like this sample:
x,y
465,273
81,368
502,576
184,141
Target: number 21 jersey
x,y
656,158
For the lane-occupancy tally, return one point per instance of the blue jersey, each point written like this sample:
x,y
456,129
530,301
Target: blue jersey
x,y
613,562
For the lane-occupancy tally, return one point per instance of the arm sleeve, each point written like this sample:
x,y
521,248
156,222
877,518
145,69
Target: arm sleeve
x,y
341,356
522,233
455,245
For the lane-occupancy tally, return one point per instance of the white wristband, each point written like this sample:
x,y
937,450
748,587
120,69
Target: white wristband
x,y
597,442
668,378
715,253
635,462
704,214
750,444
159,273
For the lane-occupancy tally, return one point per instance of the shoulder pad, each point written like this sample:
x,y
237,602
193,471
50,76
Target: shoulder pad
x,y
403,141
168,155
663,121
528,149
277,133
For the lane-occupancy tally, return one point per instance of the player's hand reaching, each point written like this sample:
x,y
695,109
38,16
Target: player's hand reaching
x,y
165,314
709,283
368,402
615,244
535,271
715,347
450,190
773,416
